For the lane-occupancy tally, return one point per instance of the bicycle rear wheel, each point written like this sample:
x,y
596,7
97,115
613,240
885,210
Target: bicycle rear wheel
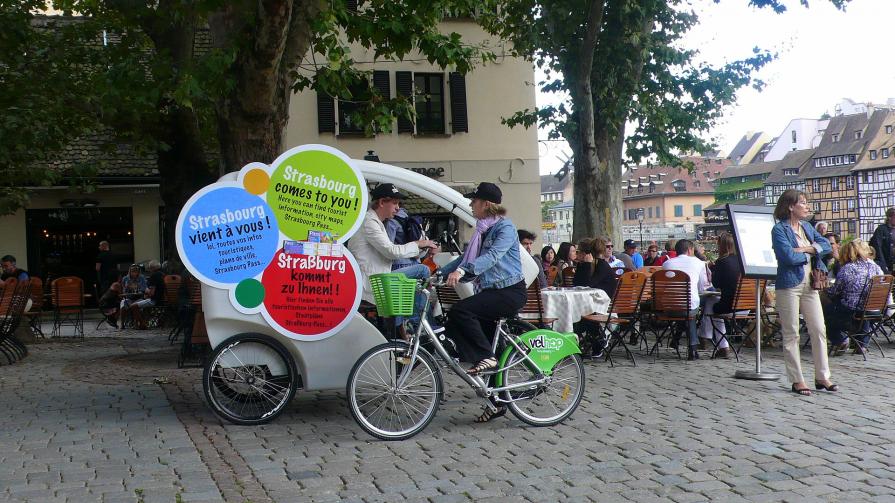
x,y
384,409
547,404
249,379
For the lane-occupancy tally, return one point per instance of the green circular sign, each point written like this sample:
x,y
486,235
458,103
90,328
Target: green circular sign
x,y
315,191
249,293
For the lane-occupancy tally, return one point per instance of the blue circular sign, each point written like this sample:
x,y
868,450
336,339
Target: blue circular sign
x,y
227,235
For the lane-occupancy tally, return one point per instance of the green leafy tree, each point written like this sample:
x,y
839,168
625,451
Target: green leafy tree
x,y
621,64
207,83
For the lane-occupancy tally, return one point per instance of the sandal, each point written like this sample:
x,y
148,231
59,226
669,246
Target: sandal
x,y
482,366
826,387
801,391
490,414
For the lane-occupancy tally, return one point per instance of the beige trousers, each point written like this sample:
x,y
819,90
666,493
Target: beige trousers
x,y
790,301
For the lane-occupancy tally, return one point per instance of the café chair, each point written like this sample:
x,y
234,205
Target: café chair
x,y
68,304
671,305
568,275
744,310
13,299
872,314
621,318
533,310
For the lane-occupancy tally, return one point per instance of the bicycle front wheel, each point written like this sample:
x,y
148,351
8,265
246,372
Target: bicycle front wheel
x,y
546,404
382,406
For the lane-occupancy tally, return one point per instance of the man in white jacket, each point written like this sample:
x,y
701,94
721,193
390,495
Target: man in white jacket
x,y
373,249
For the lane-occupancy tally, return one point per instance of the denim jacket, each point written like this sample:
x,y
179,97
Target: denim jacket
x,y
790,264
499,264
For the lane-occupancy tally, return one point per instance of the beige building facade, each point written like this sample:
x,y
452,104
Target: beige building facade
x,y
483,151
58,233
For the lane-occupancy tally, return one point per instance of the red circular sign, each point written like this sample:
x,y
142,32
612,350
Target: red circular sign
x,y
310,295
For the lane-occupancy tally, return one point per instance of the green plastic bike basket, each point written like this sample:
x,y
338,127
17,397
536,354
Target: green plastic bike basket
x,y
393,293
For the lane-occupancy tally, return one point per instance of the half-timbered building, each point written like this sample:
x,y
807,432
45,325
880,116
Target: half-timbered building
x,y
787,175
829,181
875,177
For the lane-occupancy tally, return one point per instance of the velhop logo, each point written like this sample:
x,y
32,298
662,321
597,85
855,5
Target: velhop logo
x,y
548,343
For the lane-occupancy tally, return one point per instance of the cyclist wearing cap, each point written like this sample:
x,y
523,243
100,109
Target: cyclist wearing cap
x,y
372,247
493,258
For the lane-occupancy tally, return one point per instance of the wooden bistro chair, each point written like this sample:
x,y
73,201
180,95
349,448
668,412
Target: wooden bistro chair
x,y
35,314
68,304
568,275
533,310
13,299
166,310
195,339
624,306
643,316
671,304
873,313
744,310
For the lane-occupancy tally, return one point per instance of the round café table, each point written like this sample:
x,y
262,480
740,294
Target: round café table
x,y
569,304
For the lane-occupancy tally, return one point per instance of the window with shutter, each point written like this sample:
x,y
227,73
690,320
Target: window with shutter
x,y
404,87
382,85
459,117
326,113
428,89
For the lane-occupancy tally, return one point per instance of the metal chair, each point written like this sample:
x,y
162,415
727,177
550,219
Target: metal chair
x,y
874,303
195,336
744,309
35,313
14,298
671,304
625,306
68,304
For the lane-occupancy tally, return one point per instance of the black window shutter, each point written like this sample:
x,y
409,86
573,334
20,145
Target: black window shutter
x,y
326,113
459,118
382,84
404,87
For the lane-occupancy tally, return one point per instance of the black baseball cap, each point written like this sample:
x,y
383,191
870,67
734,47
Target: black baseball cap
x,y
629,243
386,190
486,191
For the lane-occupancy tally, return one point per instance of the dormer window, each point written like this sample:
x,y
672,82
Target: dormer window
x,y
889,129
679,185
696,183
872,155
652,187
790,171
885,153
858,134
835,138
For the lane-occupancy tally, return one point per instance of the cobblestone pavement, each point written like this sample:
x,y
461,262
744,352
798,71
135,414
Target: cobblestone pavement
x,y
111,418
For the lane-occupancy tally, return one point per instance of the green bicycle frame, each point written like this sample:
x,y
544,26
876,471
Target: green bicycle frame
x,y
547,349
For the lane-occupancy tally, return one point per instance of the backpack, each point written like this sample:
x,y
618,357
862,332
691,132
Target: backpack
x,y
411,228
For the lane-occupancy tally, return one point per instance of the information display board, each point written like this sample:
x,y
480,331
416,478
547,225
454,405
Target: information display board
x,y
752,227
274,239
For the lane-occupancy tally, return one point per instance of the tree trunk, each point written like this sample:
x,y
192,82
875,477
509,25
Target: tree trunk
x,y
182,162
252,117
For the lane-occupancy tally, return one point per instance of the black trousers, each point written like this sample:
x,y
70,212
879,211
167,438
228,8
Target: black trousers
x,y
471,322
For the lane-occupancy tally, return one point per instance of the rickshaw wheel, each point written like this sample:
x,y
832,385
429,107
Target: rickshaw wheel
x,y
249,379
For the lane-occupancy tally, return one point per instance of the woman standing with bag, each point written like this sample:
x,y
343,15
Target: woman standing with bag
x,y
799,249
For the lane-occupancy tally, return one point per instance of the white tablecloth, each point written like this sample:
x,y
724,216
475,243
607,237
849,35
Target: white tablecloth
x,y
569,305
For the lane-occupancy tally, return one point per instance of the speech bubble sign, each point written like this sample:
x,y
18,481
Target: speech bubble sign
x,y
310,296
317,188
226,234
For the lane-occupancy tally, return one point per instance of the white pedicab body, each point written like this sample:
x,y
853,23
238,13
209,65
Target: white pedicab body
x,y
276,362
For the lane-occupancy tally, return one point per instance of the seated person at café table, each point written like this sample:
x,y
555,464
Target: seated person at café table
x,y
846,294
153,295
133,286
109,302
725,277
594,271
10,270
684,260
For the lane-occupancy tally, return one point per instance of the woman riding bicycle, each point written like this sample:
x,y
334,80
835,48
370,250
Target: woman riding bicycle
x,y
493,257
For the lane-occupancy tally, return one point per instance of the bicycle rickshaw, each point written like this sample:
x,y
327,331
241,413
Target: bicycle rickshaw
x,y
258,363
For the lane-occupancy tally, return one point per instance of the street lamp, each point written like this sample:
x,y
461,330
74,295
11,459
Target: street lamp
x,y
640,221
